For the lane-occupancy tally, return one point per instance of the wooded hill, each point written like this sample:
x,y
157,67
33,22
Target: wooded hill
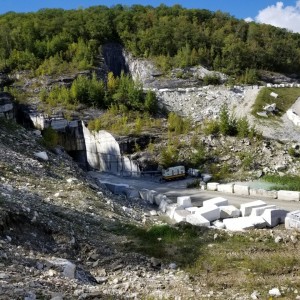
x,y
51,41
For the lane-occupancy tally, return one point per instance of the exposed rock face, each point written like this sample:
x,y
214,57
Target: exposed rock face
x,y
6,106
114,58
103,153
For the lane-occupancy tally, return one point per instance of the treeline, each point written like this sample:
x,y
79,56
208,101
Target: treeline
x,y
54,40
120,92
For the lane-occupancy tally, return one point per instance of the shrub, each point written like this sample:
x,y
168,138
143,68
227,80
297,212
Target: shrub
x,y
50,137
211,79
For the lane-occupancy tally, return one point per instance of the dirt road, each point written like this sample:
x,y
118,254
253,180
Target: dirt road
x,y
173,189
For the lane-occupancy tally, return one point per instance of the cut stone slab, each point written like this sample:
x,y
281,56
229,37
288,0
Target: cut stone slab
x,y
164,204
263,193
116,188
212,186
288,195
229,211
132,193
241,189
148,195
158,198
211,213
184,201
170,210
258,211
192,209
197,220
244,223
273,217
292,220
180,215
226,188
218,201
246,208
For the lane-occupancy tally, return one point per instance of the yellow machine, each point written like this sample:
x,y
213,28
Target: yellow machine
x,y
173,173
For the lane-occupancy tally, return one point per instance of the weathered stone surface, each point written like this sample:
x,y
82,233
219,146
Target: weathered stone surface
x,y
274,216
212,186
292,220
229,211
263,193
246,208
211,212
288,195
218,201
241,189
170,210
244,223
225,188
258,211
197,220
180,215
184,201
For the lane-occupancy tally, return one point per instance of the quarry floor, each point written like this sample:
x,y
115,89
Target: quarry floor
x,y
173,189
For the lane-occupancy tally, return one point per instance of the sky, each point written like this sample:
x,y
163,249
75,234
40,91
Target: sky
x,y
285,14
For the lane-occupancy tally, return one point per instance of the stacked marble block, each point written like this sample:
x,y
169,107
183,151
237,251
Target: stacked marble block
x,y
218,213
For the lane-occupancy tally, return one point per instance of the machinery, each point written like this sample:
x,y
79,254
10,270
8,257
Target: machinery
x,y
173,173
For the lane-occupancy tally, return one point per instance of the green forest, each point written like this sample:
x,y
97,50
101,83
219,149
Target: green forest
x,y
53,41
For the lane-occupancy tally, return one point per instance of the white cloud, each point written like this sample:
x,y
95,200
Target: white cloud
x,y
281,16
249,19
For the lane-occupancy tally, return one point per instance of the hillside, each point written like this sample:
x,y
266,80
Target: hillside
x,y
129,91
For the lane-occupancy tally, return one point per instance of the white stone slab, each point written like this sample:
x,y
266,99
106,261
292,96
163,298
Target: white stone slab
x,y
288,195
211,213
225,188
246,208
148,195
192,209
158,198
238,224
273,217
292,220
241,189
212,186
229,211
184,201
197,220
263,193
170,209
164,204
258,211
180,215
218,201
244,223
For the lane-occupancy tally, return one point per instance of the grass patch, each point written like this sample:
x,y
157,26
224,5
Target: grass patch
x,y
181,243
246,261
286,98
286,182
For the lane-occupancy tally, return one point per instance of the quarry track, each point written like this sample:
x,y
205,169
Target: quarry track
x,y
173,189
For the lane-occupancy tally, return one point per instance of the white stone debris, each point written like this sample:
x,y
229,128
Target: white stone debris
x,y
42,155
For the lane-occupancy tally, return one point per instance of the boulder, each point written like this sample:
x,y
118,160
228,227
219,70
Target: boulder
x,y
42,155
273,217
211,213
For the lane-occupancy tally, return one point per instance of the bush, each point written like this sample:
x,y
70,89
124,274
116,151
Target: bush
x,y
50,137
211,79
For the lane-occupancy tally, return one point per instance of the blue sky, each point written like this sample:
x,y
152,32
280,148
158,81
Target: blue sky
x,y
279,13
